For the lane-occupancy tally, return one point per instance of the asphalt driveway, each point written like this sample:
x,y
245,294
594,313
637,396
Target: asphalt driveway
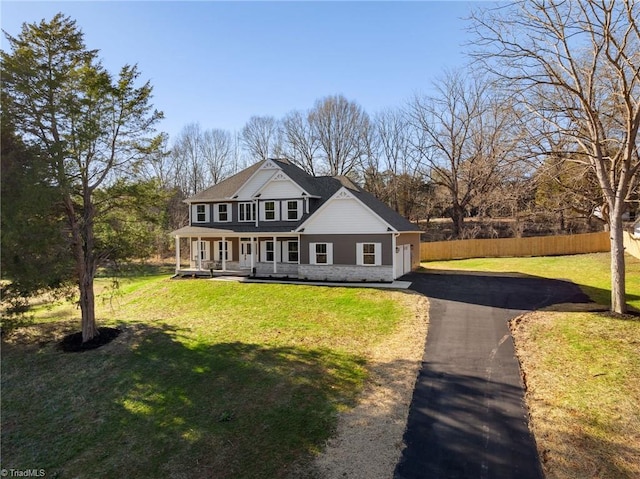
x,y
468,417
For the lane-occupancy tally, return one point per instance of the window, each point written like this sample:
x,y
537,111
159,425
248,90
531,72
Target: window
x,y
269,210
222,212
223,248
321,253
200,250
369,254
268,252
247,211
292,210
201,214
292,251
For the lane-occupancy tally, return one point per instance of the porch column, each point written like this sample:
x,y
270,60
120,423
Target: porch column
x,y
275,255
177,254
198,246
224,253
253,252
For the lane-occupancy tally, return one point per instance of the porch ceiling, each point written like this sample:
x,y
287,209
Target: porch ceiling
x,y
201,231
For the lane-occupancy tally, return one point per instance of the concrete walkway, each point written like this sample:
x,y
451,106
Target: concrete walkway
x,y
468,419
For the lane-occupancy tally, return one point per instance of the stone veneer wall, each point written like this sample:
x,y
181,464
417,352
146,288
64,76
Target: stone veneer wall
x,y
284,269
336,272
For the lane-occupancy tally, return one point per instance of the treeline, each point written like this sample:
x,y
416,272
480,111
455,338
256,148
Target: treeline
x,y
463,152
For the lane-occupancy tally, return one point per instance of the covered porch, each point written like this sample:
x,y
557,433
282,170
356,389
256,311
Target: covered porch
x,y
217,252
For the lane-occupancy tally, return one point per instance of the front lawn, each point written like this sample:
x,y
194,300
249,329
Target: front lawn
x,y
208,379
582,369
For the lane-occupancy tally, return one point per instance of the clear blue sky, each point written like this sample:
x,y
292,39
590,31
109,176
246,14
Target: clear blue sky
x,y
219,63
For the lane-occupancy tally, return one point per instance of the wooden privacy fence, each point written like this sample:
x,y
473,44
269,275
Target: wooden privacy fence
x,y
504,247
632,245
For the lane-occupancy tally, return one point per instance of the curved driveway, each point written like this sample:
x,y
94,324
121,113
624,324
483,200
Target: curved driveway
x,y
468,418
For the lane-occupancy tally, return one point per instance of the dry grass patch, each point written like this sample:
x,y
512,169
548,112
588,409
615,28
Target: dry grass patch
x,y
583,391
369,442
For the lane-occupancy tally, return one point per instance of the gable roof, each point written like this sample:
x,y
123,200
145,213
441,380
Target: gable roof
x,y
322,187
227,187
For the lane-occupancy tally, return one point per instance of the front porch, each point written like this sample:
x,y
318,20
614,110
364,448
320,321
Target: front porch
x,y
215,252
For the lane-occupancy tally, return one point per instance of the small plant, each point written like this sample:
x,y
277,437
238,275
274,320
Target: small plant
x,y
226,416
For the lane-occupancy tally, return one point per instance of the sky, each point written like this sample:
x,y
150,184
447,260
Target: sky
x,y
219,63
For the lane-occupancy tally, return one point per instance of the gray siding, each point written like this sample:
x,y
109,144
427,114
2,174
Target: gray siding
x,y
344,247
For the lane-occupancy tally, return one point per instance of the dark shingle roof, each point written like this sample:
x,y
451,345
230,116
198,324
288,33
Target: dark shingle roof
x,y
227,187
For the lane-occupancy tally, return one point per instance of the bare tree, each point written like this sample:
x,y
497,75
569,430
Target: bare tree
x,y
301,141
342,128
261,137
576,66
217,153
397,156
462,136
188,160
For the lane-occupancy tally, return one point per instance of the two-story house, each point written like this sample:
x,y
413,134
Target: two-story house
x,y
275,220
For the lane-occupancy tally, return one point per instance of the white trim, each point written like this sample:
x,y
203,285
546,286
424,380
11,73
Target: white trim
x,y
207,211
281,176
377,253
276,210
252,210
271,165
218,250
216,213
285,251
313,253
286,209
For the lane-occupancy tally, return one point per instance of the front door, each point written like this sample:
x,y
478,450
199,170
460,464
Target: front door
x,y
245,254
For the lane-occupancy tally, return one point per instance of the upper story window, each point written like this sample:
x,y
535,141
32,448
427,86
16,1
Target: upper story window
x,y
270,210
247,211
222,212
201,213
293,210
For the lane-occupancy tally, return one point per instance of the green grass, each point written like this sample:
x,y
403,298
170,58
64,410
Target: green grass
x,y
582,369
590,271
209,379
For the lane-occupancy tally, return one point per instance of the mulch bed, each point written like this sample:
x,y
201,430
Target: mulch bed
x,y
72,343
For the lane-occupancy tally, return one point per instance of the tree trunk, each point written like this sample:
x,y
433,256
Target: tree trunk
x,y
457,216
87,306
618,294
82,236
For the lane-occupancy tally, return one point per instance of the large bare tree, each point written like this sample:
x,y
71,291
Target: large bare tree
x,y
575,65
301,141
261,137
342,129
463,134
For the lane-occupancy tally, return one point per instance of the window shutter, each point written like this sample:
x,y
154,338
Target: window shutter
x,y
312,253
378,250
359,251
329,253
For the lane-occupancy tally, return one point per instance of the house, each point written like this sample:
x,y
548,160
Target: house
x,y
275,220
